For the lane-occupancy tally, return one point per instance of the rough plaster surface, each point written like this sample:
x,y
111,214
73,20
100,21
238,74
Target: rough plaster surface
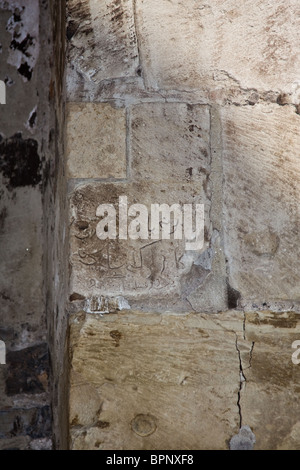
x,y
29,156
25,401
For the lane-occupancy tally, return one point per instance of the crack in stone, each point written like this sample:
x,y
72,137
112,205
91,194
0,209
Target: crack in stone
x,y
242,376
140,66
251,354
241,384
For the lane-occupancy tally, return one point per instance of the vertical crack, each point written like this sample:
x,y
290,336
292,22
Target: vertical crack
x,y
241,384
251,354
243,380
140,71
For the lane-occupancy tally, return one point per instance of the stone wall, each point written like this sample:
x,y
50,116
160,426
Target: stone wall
x,y
188,103
139,340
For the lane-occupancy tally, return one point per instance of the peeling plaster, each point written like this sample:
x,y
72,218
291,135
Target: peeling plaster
x,y
23,26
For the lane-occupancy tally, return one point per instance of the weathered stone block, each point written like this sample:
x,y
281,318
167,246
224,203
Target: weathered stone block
x,y
96,141
261,194
217,44
171,142
219,372
153,273
154,381
270,399
102,41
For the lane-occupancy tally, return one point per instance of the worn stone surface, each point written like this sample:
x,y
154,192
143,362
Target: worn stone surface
x,y
169,163
230,378
171,142
130,268
156,274
270,398
217,44
96,141
153,381
107,29
261,194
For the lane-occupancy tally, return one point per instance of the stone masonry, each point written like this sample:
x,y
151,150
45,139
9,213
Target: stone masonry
x,y
188,103
118,330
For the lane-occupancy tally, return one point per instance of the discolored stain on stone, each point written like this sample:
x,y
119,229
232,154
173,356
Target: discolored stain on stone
x,y
102,424
75,296
20,163
116,336
233,297
144,425
278,320
3,215
26,370
244,440
263,243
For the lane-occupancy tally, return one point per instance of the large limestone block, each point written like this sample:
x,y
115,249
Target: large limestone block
x,y
171,142
262,201
270,399
220,43
96,141
157,272
151,381
102,41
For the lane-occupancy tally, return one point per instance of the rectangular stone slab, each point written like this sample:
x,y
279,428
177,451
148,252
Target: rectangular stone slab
x,y
219,44
261,158
151,381
270,399
102,41
159,274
